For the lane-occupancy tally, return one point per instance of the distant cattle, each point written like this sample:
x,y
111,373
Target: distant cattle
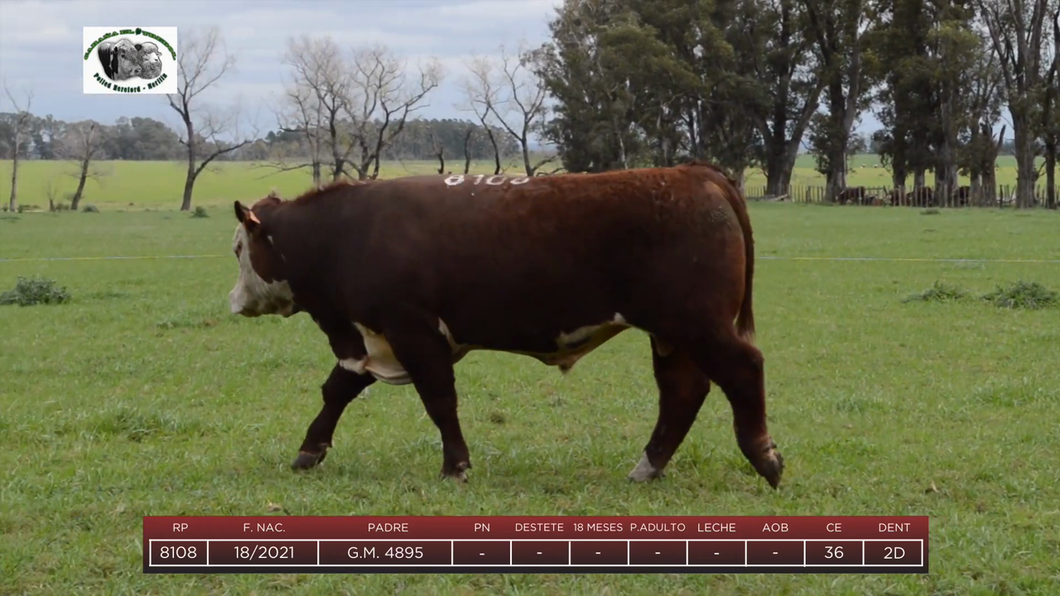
x,y
406,276
962,196
923,196
896,197
855,195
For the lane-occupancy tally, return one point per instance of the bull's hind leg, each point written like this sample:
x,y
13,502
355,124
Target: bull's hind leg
x,y
339,390
427,356
737,367
682,389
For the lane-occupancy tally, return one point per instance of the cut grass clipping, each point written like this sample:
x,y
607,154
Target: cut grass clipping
x,y
1028,295
1021,295
938,292
37,290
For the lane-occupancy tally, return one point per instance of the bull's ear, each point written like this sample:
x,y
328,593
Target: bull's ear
x,y
246,217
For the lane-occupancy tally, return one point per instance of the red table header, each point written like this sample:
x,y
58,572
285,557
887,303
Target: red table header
x,y
534,527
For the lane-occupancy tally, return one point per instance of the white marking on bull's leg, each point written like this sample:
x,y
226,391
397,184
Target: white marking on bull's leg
x,y
644,471
354,366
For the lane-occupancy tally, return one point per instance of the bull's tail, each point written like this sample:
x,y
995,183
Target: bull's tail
x,y
745,320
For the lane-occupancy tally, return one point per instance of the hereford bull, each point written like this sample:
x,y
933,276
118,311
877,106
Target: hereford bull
x,y
406,276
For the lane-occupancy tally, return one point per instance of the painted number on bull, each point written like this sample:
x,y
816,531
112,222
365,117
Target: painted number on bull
x,y
497,180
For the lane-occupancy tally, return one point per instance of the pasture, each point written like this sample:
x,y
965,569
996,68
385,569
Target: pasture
x,y
143,396
137,185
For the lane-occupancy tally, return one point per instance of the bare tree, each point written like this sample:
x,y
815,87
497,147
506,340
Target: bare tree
x,y
1015,28
522,103
355,105
203,61
316,96
382,98
82,143
438,148
467,148
22,124
480,97
301,113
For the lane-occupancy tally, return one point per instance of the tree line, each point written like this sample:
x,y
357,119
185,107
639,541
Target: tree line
x,y
745,83
147,139
628,83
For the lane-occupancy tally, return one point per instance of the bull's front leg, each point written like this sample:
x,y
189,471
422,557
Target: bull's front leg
x,y
426,355
339,390
344,384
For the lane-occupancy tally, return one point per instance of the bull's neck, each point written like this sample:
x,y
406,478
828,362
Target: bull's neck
x,y
302,240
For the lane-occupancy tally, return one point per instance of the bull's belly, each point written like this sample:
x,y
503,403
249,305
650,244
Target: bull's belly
x,y
570,347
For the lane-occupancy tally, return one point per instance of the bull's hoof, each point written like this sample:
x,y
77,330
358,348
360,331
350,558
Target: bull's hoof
x,y
644,471
308,459
457,473
770,465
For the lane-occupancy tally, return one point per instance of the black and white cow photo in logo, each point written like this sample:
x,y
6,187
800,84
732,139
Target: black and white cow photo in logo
x,y
122,59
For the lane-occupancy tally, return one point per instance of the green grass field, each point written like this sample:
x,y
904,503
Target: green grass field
x,y
143,396
136,186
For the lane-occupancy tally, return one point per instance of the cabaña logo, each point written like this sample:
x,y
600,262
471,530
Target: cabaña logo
x,y
130,60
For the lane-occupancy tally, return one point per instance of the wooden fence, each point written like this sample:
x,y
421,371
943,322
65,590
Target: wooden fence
x,y
964,196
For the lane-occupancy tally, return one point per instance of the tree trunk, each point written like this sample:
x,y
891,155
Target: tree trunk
x,y
496,151
467,150
13,201
837,175
1024,146
975,188
898,177
945,174
990,185
780,162
919,178
189,184
988,166
74,202
316,172
739,174
1050,176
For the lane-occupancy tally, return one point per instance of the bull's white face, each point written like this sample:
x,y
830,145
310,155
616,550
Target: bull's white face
x,y
150,62
253,296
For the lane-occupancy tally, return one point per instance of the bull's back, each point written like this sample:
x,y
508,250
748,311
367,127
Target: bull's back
x,y
563,251
651,200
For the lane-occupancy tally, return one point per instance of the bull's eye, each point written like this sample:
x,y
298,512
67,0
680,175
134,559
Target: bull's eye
x,y
239,249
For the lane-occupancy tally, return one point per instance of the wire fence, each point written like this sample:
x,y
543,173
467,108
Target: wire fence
x,y
1002,195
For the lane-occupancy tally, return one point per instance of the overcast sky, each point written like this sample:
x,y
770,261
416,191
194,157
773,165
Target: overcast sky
x,y
40,45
